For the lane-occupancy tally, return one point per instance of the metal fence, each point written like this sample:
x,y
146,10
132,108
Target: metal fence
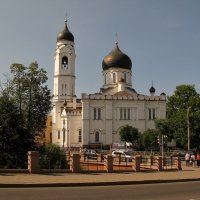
x,y
169,162
92,162
122,164
148,163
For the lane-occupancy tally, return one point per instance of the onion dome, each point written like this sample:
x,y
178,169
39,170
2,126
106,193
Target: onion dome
x,y
116,59
152,89
163,94
65,34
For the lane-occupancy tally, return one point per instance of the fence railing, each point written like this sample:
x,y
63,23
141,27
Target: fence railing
x,y
102,163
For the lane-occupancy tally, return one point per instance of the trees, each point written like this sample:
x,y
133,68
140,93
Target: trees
x,y
24,104
129,134
31,95
15,140
185,102
150,140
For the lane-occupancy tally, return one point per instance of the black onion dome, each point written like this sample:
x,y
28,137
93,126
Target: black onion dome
x,y
152,89
116,59
65,34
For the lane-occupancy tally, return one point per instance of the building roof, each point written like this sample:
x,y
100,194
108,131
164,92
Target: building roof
x,y
116,59
65,34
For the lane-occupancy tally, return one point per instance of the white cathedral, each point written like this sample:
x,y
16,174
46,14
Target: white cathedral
x,y
95,119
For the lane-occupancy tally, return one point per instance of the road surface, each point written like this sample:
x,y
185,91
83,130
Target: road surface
x,y
168,191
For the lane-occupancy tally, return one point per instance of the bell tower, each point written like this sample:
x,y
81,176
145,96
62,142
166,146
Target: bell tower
x,y
64,80
64,74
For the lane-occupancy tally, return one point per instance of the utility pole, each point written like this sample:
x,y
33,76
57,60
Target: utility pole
x,y
188,128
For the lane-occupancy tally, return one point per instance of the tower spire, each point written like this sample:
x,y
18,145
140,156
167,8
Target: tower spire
x,y
66,19
116,39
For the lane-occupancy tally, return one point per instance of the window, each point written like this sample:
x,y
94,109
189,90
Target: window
x,y
121,111
125,114
79,135
149,113
129,113
152,113
65,89
51,138
58,134
125,77
62,88
114,77
97,114
63,134
97,137
65,62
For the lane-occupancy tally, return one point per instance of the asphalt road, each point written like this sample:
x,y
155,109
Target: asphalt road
x,y
169,191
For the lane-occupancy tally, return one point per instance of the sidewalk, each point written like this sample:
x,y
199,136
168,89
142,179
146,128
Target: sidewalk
x,y
94,179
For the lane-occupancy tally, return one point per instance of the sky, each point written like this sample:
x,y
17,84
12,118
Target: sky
x,y
161,37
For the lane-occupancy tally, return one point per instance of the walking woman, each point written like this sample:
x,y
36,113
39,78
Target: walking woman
x,y
198,160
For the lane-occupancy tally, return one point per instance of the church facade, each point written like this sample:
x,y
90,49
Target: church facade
x,y
95,119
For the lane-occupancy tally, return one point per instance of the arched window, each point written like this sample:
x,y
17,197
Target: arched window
x,y
62,88
65,89
65,62
58,134
114,77
125,77
96,136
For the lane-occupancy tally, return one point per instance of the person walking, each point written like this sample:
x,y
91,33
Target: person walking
x,y
192,160
187,159
198,160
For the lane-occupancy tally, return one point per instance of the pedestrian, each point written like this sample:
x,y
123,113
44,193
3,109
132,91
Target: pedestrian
x,y
187,159
198,160
192,160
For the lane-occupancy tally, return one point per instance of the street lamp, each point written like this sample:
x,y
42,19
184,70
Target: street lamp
x,y
162,140
164,137
188,128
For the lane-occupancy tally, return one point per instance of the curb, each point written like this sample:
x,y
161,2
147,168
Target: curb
x,y
32,185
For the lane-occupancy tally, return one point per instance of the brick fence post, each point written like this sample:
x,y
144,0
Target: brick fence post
x,y
109,163
178,163
159,163
75,166
99,157
33,162
137,163
151,160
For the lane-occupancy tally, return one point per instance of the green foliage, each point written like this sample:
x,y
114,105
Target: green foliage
x,y
150,140
24,104
163,126
31,95
15,140
52,157
129,134
184,102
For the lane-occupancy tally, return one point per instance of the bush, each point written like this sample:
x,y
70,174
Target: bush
x,y
52,157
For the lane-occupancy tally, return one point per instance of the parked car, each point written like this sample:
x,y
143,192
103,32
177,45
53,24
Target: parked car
x,y
90,154
122,156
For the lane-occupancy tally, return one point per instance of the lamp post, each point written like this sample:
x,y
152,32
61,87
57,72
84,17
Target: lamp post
x,y
163,141
188,128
